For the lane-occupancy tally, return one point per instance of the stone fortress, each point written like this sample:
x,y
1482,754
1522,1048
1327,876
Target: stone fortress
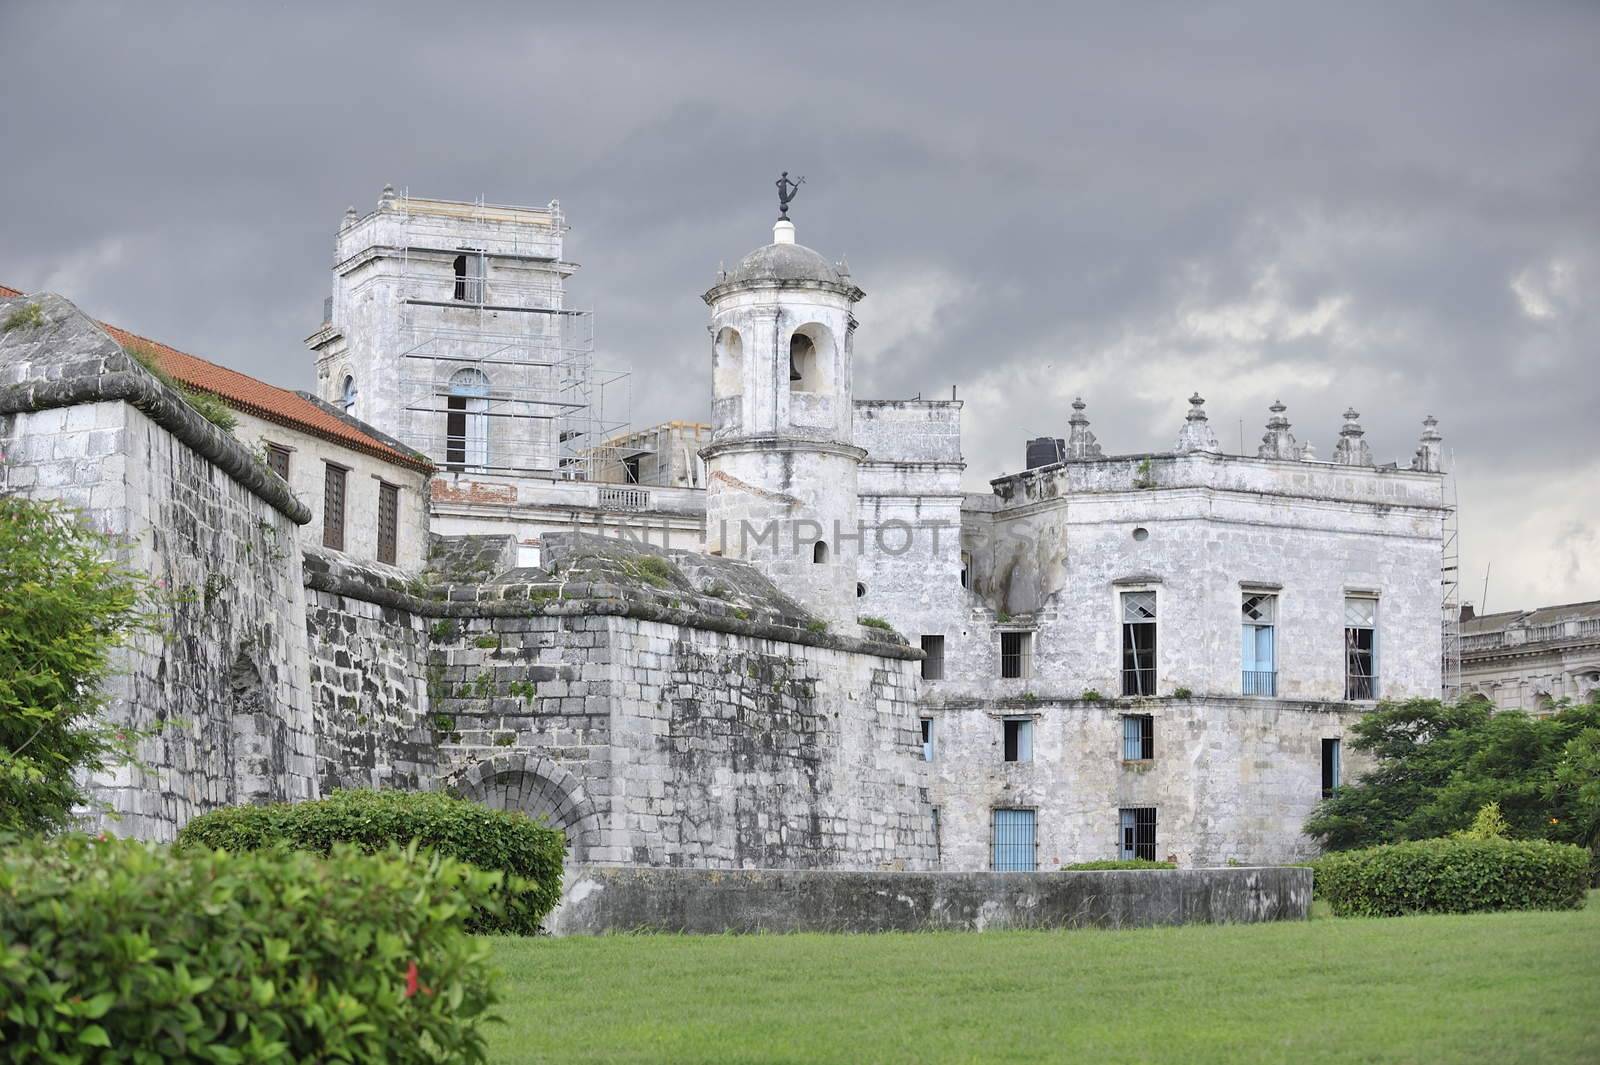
x,y
447,569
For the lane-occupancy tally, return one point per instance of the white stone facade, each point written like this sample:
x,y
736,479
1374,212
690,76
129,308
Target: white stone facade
x,y
1532,660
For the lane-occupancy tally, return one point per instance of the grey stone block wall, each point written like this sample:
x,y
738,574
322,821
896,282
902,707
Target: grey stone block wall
x,y
598,900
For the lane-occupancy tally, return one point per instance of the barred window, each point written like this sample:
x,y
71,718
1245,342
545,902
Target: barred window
x,y
1139,643
1016,655
1015,845
1259,645
388,521
1360,648
1138,833
333,485
1138,737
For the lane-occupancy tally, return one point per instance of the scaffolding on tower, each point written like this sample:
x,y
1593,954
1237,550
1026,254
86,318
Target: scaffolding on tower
x,y
1450,587
498,374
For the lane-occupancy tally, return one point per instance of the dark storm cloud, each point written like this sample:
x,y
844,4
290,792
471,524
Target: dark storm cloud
x,y
1387,206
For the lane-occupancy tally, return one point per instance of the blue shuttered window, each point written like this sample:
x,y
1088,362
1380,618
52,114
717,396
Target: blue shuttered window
x,y
1014,842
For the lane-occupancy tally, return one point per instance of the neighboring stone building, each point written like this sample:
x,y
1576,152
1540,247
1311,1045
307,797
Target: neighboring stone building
x,y
1532,659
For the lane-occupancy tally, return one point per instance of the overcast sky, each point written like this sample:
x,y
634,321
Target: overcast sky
x,y
1392,207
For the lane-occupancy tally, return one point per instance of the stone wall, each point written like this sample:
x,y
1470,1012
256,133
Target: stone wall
x,y
596,900
222,690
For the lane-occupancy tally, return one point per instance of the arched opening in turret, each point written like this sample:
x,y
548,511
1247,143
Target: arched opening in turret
x,y
466,421
347,394
819,551
810,357
727,362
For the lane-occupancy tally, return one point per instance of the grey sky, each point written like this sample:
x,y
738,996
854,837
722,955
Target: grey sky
x,y
1391,207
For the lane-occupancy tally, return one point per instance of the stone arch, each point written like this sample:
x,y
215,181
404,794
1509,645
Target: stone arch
x,y
256,738
727,362
811,358
539,788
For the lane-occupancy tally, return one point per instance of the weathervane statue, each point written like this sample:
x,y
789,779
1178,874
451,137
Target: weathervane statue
x,y
786,193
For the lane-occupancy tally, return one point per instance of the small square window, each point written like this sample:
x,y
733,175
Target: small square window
x,y
1018,734
933,663
1016,655
278,460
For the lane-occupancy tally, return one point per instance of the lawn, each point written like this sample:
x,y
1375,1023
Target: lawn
x,y
1500,988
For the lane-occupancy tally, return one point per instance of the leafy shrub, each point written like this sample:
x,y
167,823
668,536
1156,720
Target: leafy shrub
x,y
64,609
28,316
496,840
873,622
1489,824
1453,876
123,951
1118,863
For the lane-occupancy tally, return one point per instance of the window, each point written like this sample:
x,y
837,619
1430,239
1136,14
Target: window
x,y
1016,655
1360,648
933,663
469,277
819,551
333,482
347,394
388,521
966,570
1018,732
466,426
1139,643
1330,767
278,460
1014,842
1138,833
805,372
1259,648
1138,737
630,470
938,835
927,739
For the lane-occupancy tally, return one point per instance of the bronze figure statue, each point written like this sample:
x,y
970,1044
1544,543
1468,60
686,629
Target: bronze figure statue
x,y
786,193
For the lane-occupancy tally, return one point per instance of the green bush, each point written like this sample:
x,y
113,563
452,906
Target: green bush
x,y
112,950
1454,875
494,840
65,607
1118,863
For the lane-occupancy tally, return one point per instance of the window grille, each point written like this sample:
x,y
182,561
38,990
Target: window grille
x,y
1259,650
1018,735
388,521
278,460
1331,768
1139,833
1015,845
333,484
927,739
1139,643
933,663
1016,655
1138,737
1360,649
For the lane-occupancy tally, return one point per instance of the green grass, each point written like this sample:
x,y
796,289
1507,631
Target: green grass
x,y
1493,988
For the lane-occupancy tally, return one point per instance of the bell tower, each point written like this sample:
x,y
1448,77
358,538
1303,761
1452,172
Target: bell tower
x,y
781,468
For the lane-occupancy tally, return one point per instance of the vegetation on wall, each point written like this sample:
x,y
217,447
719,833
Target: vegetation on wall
x,y
123,951
1438,765
209,407
66,607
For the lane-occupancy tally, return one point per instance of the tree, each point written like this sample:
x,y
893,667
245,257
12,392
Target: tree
x,y
1439,765
65,605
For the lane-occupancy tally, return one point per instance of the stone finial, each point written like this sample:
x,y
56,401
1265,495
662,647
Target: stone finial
x,y
1196,434
386,201
349,217
1308,452
843,266
1429,453
1351,450
1081,443
1279,442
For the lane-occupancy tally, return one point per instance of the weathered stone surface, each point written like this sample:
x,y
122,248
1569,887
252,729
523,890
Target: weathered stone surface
x,y
596,900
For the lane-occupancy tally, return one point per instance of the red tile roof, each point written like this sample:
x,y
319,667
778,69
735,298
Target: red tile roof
x,y
256,397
